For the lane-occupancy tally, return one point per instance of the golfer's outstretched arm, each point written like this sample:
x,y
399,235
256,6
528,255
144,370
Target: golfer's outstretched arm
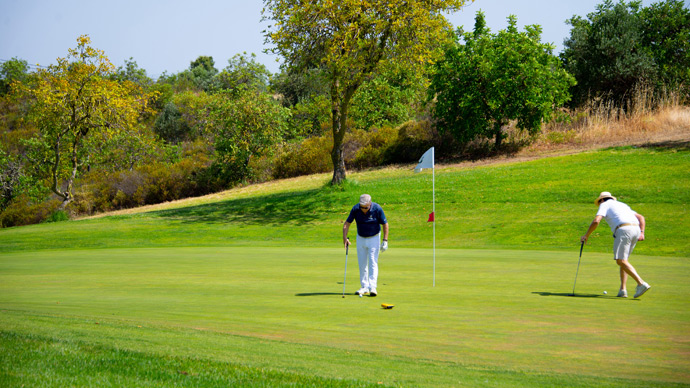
x,y
346,228
385,231
591,229
643,225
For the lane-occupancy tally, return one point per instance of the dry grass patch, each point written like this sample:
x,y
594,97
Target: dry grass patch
x,y
608,128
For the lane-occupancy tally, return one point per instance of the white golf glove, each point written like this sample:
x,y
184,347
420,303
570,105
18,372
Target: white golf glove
x,y
384,246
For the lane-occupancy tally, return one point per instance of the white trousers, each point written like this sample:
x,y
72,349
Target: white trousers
x,y
368,249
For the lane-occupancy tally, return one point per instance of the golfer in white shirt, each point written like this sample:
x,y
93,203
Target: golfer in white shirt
x,y
628,228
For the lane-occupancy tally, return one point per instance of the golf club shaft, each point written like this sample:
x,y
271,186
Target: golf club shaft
x,y
578,266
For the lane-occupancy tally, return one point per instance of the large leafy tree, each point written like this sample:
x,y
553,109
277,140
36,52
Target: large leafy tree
x,y
490,79
241,126
78,108
350,40
666,33
605,52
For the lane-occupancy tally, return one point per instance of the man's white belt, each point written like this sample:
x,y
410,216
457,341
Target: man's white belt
x,y
622,225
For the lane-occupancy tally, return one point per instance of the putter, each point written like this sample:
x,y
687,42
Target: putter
x,y
578,267
345,276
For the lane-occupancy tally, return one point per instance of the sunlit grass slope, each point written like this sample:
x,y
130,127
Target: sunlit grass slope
x,y
542,204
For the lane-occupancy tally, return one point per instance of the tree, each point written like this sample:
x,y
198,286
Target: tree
x,y
305,92
133,73
77,108
203,73
201,76
666,33
244,73
170,125
605,52
349,40
296,87
241,126
493,78
10,71
389,98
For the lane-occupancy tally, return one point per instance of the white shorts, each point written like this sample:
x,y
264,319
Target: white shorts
x,y
624,241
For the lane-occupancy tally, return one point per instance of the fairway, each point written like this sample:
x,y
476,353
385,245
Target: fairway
x,y
495,316
244,288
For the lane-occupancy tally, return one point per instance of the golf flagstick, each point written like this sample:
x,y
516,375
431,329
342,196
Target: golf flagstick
x,y
578,267
345,276
427,161
433,206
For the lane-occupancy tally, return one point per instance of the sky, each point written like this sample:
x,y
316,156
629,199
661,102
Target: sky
x,y
167,35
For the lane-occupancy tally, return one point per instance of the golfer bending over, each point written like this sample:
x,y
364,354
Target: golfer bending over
x,y
369,216
628,228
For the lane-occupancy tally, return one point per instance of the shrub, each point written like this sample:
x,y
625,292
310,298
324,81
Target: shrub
x,y
310,156
23,211
373,146
415,138
150,184
57,216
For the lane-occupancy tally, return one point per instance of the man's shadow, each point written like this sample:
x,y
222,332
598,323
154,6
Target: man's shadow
x,y
576,295
319,293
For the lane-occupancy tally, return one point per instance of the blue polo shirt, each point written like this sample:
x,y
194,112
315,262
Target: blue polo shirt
x,y
368,224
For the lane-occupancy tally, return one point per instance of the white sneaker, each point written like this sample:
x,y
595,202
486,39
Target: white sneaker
x,y
362,291
641,289
372,292
622,294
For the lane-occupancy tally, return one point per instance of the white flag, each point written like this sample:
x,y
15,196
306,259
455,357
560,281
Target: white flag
x,y
426,161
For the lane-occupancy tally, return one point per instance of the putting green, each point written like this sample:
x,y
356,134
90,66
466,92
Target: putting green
x,y
491,310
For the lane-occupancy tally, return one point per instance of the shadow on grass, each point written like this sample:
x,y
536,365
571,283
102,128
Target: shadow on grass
x,y
678,145
570,294
320,293
295,208
681,145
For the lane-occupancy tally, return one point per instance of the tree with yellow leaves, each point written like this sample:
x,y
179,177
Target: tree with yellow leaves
x,y
77,109
351,40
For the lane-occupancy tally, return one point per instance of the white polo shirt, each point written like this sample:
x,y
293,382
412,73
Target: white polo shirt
x,y
617,213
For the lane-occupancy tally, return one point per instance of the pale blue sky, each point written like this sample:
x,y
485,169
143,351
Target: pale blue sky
x,y
166,35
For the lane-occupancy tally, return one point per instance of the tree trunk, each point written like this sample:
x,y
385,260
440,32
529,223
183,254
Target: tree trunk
x,y
55,168
339,108
499,134
339,128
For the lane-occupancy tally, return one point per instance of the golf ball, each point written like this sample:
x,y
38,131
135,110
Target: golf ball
x,y
360,295
605,292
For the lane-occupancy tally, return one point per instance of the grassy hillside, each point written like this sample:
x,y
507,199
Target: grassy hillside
x,y
245,288
541,204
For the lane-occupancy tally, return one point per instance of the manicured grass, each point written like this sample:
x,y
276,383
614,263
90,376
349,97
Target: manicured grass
x,y
246,289
495,318
545,204
50,362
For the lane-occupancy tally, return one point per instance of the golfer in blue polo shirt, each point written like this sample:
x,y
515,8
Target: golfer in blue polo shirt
x,y
369,216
